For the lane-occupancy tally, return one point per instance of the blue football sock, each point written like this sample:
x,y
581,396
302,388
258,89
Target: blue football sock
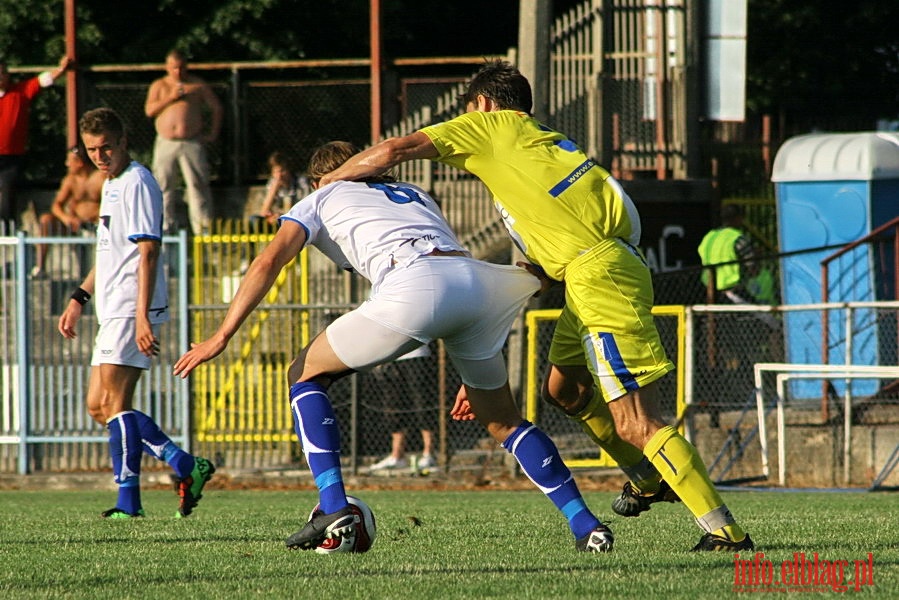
x,y
125,448
129,496
317,429
539,459
158,445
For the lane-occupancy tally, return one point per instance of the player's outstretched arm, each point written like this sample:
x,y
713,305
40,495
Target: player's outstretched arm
x,y
382,157
260,277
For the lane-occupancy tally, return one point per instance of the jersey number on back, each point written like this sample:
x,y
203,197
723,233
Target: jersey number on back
x,y
398,193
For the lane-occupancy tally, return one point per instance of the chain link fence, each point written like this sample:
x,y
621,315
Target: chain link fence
x,y
239,411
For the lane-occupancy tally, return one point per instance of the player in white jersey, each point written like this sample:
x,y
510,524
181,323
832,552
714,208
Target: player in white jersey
x,y
425,286
132,303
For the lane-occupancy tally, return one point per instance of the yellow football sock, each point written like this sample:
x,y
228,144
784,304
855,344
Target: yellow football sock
x,y
682,467
596,420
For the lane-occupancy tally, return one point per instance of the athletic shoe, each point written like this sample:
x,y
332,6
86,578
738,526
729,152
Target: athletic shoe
x,y
118,513
426,462
630,503
321,527
389,464
715,543
598,540
37,273
190,489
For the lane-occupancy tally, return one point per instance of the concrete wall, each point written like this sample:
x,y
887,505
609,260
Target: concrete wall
x,y
814,452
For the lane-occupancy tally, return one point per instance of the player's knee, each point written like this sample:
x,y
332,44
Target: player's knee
x,y
568,400
298,372
295,370
97,414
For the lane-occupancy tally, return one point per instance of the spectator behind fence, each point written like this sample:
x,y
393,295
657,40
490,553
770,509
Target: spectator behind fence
x,y
407,398
15,107
76,206
177,102
739,279
425,286
284,188
131,306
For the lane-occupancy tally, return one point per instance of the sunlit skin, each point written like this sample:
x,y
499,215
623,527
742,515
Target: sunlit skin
x,y
109,154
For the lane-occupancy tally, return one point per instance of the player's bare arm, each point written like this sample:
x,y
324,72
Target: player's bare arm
x,y
382,157
260,277
69,317
149,250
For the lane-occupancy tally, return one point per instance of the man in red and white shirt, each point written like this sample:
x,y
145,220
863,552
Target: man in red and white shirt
x,y
15,107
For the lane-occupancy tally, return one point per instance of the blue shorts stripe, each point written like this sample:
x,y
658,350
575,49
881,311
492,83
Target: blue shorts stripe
x,y
572,178
615,360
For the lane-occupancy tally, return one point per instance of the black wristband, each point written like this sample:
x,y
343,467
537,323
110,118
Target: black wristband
x,y
80,296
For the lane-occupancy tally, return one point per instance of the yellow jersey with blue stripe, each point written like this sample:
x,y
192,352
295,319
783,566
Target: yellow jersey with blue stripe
x,y
556,202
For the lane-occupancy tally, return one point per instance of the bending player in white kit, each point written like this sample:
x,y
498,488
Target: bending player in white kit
x,y
425,286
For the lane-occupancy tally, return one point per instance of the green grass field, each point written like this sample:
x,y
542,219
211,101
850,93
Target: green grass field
x,y
478,544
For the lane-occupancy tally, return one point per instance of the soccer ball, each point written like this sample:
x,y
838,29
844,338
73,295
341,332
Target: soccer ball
x,y
359,541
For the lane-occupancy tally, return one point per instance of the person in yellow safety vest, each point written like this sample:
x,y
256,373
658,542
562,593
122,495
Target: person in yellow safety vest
x,y
742,282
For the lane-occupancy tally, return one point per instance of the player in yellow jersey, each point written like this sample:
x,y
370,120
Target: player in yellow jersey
x,y
577,225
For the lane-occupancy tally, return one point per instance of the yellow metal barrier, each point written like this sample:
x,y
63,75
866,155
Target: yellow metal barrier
x,y
241,398
533,379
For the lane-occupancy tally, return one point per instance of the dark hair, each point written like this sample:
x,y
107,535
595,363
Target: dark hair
x,y
499,81
101,121
280,159
176,54
328,157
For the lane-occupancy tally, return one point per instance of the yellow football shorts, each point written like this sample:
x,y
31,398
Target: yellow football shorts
x,y
607,320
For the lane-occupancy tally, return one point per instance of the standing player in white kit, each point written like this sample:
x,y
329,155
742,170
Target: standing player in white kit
x,y
425,286
132,305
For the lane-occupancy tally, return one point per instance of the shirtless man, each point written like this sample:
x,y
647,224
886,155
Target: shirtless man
x,y
76,206
178,102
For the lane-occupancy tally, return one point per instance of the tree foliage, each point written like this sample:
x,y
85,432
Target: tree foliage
x,y
824,59
31,31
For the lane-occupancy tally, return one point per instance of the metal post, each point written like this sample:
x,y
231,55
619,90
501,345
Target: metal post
x,y
184,338
687,358
235,126
72,111
534,46
23,359
354,423
377,66
847,396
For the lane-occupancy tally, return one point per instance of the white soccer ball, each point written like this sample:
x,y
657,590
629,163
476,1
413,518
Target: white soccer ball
x,y
361,540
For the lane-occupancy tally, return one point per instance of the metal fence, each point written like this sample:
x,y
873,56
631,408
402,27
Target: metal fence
x,y
617,85
235,409
44,424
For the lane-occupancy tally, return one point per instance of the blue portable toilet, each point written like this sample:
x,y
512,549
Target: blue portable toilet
x,y
833,189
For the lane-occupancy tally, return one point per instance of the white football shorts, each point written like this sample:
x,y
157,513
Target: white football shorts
x,y
116,344
467,303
